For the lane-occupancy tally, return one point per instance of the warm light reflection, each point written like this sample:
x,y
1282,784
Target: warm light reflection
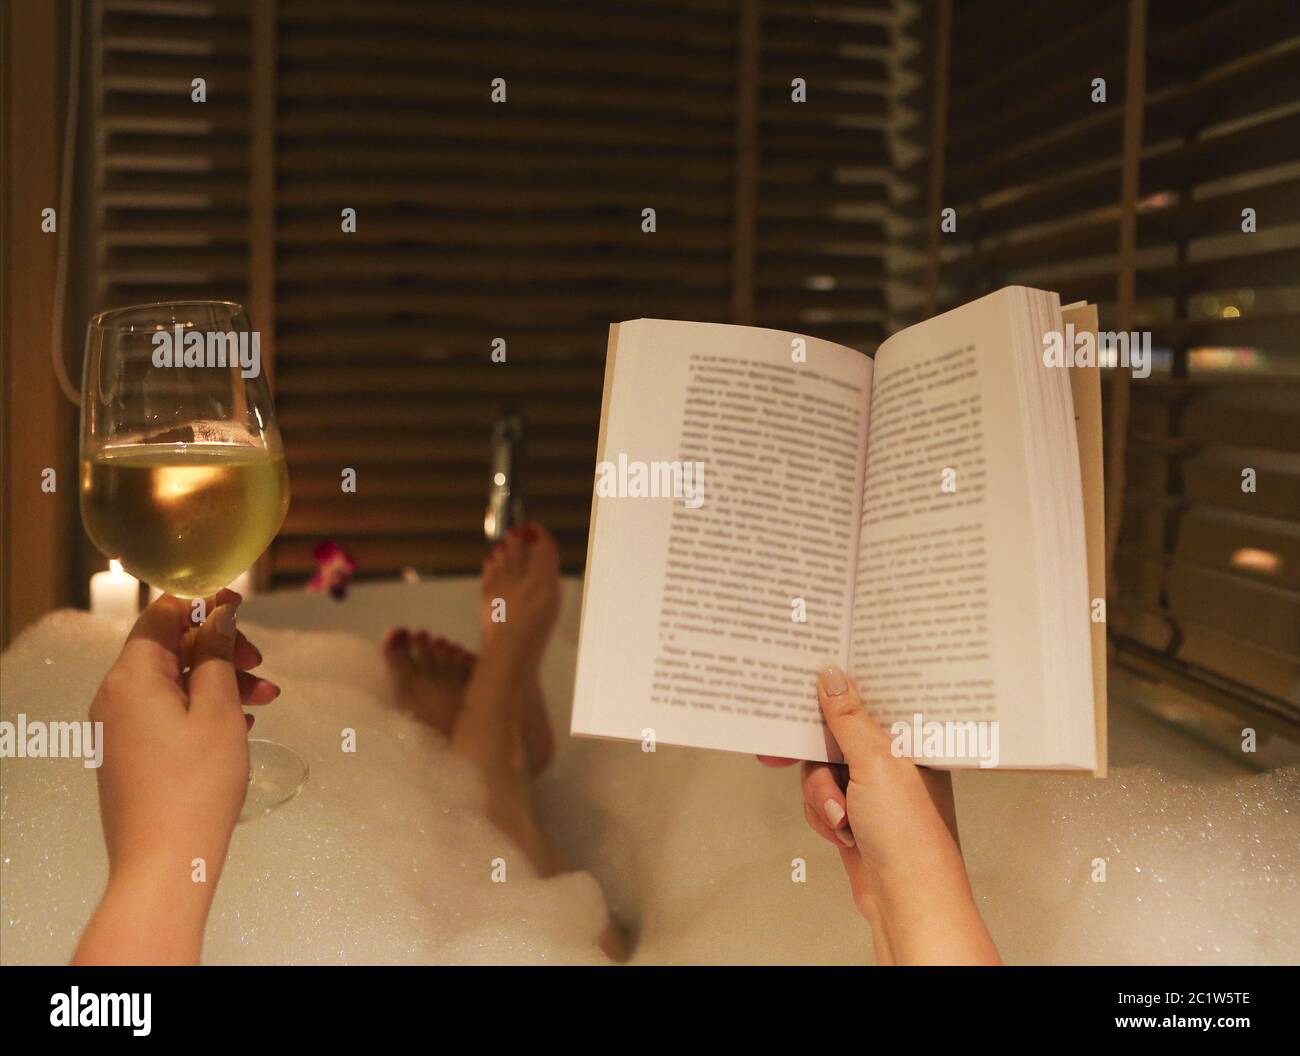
x,y
114,565
171,483
1231,312
1253,560
1214,357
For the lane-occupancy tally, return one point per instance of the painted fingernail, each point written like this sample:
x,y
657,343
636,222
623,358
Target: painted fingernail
x,y
832,681
223,621
845,837
275,690
248,721
834,813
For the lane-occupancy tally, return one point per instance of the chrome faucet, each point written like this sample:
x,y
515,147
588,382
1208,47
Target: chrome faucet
x,y
505,508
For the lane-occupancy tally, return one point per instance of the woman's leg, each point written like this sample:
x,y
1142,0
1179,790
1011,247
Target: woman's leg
x,y
491,705
519,603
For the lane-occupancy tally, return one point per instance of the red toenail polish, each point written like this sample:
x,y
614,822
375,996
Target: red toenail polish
x,y
530,533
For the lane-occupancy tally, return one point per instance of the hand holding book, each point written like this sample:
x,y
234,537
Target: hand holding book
x,y
927,518
894,826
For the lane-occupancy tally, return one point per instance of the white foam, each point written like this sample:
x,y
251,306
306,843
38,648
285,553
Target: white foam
x,y
386,856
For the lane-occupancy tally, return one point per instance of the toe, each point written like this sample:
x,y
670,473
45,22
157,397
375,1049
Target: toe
x,y
422,651
516,554
493,563
397,648
544,554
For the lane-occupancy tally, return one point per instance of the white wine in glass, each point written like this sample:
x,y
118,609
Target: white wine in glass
x,y
185,518
183,476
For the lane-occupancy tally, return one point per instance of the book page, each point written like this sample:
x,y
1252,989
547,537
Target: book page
x,y
1085,388
946,621
705,618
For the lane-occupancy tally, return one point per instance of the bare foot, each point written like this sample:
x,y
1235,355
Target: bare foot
x,y
501,726
520,590
521,595
429,675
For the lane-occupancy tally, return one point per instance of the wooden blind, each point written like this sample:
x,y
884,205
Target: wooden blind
x,y
170,203
1207,574
477,220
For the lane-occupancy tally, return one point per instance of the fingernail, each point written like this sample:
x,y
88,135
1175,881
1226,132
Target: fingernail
x,y
248,720
845,837
832,681
834,813
223,621
274,687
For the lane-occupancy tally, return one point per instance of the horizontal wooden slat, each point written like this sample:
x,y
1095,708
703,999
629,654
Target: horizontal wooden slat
x,y
1263,615
477,220
1275,203
468,487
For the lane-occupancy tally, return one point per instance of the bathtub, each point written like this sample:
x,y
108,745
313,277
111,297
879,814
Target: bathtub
x,y
1182,856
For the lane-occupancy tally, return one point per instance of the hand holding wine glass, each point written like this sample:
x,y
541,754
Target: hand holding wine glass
x,y
183,476
171,789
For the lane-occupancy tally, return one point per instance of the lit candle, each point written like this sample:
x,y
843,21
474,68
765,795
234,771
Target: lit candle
x,y
115,594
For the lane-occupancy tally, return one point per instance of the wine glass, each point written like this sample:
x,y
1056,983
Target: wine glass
x,y
183,477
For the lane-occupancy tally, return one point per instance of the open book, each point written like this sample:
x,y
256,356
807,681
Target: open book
x,y
930,520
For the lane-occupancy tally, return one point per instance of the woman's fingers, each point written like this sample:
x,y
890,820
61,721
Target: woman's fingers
x,y
824,797
247,655
776,760
254,691
155,643
819,826
212,683
859,738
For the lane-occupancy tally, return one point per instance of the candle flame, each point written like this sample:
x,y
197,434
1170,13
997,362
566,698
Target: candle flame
x,y
115,565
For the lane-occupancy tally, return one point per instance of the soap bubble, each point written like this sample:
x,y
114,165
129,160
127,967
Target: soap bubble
x,y
385,856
